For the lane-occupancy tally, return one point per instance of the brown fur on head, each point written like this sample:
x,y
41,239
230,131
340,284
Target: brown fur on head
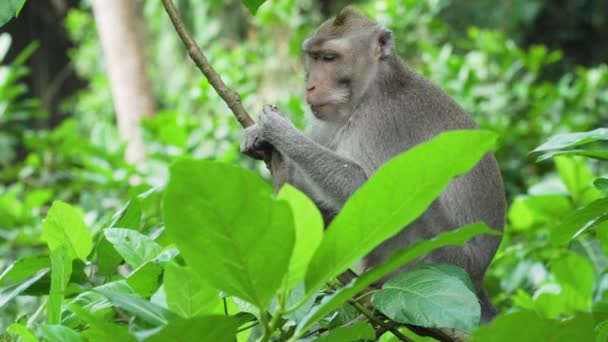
x,y
343,57
345,21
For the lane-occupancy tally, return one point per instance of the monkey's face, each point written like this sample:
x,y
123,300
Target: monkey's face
x,y
342,59
328,81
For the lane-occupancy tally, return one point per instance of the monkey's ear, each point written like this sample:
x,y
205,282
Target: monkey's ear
x,y
385,44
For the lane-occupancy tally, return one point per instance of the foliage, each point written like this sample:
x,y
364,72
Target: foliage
x,y
10,9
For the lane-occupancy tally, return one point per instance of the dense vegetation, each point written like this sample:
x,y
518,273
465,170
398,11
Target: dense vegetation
x,y
192,241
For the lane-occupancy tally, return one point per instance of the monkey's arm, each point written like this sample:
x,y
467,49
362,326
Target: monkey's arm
x,y
336,176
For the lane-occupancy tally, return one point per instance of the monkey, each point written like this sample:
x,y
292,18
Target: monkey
x,y
369,106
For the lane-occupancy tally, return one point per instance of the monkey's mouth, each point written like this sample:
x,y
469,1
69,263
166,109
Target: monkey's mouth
x,y
322,107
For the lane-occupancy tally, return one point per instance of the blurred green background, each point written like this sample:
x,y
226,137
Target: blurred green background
x,y
526,69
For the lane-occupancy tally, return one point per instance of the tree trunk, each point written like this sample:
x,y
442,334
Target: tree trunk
x,y
117,26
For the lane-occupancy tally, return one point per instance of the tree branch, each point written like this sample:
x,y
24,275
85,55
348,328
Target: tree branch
x,y
231,97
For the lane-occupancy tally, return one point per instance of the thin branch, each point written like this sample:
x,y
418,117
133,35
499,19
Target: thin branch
x,y
231,97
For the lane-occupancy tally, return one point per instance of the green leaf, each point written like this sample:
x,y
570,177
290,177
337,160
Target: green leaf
x,y
393,197
229,228
108,258
308,232
139,307
567,140
101,330
9,9
579,221
64,226
61,270
527,212
145,279
526,326
456,237
253,5
591,249
577,272
355,332
428,296
212,328
25,334
136,248
578,178
594,154
58,333
601,331
128,216
601,184
11,291
187,295
23,268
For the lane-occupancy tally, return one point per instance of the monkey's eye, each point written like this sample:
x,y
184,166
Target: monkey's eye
x,y
328,57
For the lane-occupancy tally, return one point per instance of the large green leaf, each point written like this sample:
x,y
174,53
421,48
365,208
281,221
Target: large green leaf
x,y
526,326
187,295
430,296
136,248
308,229
61,270
452,238
253,5
10,9
355,332
567,140
64,226
393,197
229,228
579,221
139,307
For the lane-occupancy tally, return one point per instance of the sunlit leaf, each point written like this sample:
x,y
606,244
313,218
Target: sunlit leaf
x,y
229,228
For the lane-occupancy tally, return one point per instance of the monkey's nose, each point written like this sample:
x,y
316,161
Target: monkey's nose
x,y
310,88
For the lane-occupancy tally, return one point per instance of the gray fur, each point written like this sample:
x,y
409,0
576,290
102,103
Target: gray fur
x,y
391,108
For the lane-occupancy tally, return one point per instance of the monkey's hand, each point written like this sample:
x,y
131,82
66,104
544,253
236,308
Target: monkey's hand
x,y
259,138
253,143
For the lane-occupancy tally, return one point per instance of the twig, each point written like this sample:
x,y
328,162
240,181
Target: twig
x,y
231,97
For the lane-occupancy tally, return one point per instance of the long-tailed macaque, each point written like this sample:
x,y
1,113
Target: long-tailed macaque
x,y
369,106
